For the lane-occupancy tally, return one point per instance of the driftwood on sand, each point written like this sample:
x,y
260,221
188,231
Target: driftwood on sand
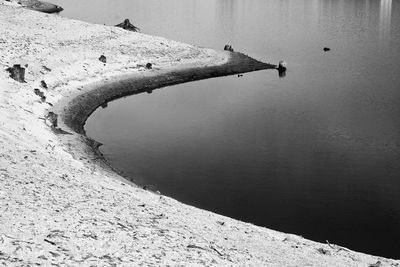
x,y
127,25
44,7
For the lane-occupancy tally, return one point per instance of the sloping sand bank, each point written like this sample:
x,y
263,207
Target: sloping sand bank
x,y
60,206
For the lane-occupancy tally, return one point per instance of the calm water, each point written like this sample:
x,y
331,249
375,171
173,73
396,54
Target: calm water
x,y
316,153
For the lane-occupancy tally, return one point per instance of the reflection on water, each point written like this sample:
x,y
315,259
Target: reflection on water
x,y
385,17
316,153
214,23
282,73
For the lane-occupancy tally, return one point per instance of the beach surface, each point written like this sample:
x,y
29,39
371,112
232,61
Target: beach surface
x,y
60,202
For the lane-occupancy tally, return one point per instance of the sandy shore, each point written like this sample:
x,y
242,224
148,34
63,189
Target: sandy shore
x,y
61,206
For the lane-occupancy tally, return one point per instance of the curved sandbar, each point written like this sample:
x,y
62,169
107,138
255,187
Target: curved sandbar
x,y
76,111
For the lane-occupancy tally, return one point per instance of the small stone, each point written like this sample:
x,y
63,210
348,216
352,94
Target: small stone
x,y
282,65
324,251
228,47
43,84
17,73
36,91
52,118
103,59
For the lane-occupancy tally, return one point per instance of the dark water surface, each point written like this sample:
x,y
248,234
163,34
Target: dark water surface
x,y
316,153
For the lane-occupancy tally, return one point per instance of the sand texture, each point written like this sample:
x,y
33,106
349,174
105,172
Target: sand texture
x,y
62,206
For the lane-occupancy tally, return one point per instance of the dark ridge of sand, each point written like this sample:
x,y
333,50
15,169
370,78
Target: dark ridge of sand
x,y
76,112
